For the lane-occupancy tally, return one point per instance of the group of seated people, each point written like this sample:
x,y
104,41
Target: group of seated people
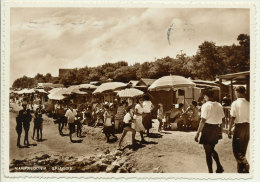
x,y
185,119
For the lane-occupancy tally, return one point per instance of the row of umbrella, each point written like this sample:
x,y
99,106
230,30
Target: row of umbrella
x,y
164,83
62,93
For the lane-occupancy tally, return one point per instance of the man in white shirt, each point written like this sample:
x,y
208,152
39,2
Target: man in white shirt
x,y
71,114
147,118
210,128
240,110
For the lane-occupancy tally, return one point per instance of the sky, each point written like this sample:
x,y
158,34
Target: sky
x,y
46,39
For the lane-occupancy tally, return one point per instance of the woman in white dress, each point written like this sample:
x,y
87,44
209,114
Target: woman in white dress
x,y
138,125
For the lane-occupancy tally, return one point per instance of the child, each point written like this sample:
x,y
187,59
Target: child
x,y
98,113
38,124
108,126
160,116
128,118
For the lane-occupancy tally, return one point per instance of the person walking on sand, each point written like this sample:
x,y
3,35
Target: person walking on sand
x,y
138,125
19,124
128,119
70,115
239,112
210,128
147,118
26,125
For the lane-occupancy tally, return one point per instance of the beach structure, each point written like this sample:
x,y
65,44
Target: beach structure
x,y
165,89
106,90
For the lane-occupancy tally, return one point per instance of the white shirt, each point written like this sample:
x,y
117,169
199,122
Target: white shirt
x,y
139,109
127,118
212,112
240,110
147,106
71,115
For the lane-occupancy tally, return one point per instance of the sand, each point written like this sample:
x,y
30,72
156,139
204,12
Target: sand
x,y
167,152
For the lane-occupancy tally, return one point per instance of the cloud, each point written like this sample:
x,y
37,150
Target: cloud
x,y
45,39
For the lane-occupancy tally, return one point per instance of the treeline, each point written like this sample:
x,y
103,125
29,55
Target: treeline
x,y
209,61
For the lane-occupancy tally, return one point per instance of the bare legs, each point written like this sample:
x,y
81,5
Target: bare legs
x,y
126,129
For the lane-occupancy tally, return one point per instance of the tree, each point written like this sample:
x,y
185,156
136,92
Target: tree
x,y
24,82
48,78
125,74
143,70
207,63
69,78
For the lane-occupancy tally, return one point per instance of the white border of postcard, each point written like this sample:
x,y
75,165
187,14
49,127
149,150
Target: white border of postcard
x,y
5,57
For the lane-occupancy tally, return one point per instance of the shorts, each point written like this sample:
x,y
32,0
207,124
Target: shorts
x,y
126,125
108,129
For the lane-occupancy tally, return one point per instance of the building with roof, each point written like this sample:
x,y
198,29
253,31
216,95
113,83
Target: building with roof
x,y
144,83
235,79
132,83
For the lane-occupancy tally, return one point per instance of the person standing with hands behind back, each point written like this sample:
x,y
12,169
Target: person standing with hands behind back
x,y
210,128
239,112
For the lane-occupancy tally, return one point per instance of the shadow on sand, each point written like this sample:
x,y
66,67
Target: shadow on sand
x,y
134,148
155,135
76,141
41,140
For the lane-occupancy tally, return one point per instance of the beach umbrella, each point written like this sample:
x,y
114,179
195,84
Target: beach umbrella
x,y
109,86
170,82
40,90
26,91
68,91
21,91
130,93
58,94
87,87
78,91
54,90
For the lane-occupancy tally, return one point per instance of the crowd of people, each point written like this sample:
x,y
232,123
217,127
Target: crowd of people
x,y
136,117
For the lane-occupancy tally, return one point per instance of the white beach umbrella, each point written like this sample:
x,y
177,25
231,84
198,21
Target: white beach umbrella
x,y
171,82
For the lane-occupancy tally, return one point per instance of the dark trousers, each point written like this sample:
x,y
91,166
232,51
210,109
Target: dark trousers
x,y
19,133
72,129
26,141
239,144
60,127
79,129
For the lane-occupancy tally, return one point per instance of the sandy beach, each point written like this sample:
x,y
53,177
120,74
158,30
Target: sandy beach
x,y
168,151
